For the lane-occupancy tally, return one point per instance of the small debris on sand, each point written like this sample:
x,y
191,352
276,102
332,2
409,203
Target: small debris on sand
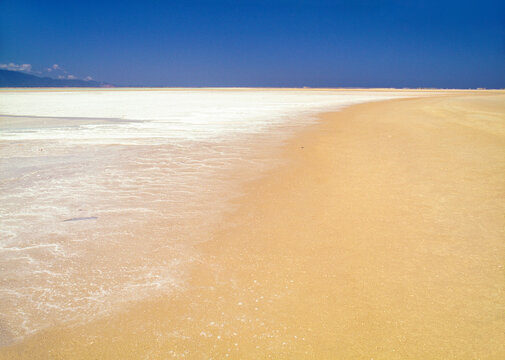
x,y
81,218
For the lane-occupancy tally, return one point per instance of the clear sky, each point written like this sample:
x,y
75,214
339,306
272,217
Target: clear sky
x,y
402,43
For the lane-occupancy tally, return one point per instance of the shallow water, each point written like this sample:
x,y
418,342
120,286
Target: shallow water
x,y
104,192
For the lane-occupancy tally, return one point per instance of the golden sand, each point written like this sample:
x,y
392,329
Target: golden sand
x,y
381,237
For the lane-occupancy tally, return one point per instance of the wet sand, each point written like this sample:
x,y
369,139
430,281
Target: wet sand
x,y
381,236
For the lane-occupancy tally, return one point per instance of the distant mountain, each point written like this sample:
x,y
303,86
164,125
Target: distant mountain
x,y
19,79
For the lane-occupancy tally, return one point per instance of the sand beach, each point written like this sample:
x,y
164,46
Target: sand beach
x,y
377,233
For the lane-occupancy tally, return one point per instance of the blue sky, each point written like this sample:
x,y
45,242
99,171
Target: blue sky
x,y
446,44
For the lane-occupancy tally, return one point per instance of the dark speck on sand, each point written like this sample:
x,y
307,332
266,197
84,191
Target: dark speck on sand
x,y
81,218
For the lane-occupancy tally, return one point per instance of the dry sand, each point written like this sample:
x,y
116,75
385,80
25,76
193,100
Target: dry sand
x,y
381,237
